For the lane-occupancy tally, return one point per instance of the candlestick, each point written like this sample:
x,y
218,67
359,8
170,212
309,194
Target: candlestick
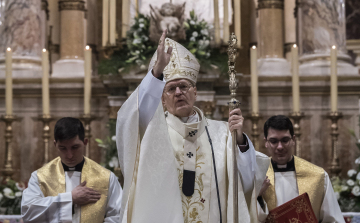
x,y
8,169
87,80
45,82
105,23
226,20
333,79
295,78
216,22
8,82
87,119
297,116
46,119
233,104
254,81
237,21
335,168
112,22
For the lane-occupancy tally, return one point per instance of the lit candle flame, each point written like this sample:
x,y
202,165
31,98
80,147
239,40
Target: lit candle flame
x,y
254,47
294,45
44,50
87,47
8,49
334,47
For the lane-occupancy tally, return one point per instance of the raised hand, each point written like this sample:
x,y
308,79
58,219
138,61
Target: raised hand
x,y
163,58
236,123
82,195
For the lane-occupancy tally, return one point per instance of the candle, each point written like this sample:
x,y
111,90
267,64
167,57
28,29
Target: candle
x,y
45,82
105,23
226,20
254,81
237,21
8,82
216,22
125,17
112,22
87,80
295,78
333,79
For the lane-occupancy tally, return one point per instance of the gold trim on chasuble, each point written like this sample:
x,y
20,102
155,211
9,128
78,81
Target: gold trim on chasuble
x,y
309,178
51,179
196,208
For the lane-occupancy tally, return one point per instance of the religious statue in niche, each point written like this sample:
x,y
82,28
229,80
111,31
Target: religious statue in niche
x,y
169,16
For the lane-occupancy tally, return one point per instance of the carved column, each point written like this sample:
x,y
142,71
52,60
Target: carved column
x,y
271,38
72,40
20,29
322,25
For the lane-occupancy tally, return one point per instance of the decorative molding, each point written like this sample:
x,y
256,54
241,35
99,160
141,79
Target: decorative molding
x,y
78,5
271,4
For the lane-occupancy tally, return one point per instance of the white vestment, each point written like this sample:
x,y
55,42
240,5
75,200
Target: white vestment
x,y
37,208
153,152
286,189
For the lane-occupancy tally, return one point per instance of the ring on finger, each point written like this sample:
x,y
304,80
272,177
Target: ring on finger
x,y
160,41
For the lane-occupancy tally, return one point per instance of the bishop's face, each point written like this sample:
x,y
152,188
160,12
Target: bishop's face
x,y
71,151
179,97
280,145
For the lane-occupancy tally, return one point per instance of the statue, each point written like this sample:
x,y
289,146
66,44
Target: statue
x,y
169,16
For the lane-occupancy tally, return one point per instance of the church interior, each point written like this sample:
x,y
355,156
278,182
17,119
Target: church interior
x,y
84,58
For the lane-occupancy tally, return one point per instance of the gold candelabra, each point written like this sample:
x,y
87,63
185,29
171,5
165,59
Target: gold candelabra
x,y
46,119
8,169
254,117
335,168
233,104
87,118
297,116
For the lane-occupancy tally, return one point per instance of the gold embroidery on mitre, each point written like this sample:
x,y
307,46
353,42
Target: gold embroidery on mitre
x,y
309,178
51,179
182,65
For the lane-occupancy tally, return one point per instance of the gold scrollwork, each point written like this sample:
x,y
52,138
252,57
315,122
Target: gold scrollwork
x,y
271,4
78,5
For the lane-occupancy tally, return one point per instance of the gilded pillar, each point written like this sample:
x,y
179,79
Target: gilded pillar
x,y
20,29
271,38
72,39
318,33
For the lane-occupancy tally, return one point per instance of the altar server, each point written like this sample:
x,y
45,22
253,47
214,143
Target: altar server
x,y
289,176
71,188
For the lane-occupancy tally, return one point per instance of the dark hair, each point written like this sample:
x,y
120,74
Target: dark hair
x,y
278,122
68,128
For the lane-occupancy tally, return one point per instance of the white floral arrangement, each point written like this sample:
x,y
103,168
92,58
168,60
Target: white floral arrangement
x,y
10,197
347,190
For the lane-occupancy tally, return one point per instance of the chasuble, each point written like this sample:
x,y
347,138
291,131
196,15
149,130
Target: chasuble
x,y
154,150
48,196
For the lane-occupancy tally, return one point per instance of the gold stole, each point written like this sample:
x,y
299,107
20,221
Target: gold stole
x,y
309,178
51,179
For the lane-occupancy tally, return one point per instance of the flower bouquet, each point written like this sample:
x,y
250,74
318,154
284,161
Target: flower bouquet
x,y
10,197
347,190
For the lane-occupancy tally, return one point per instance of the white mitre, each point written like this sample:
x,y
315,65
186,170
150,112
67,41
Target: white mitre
x,y
182,65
